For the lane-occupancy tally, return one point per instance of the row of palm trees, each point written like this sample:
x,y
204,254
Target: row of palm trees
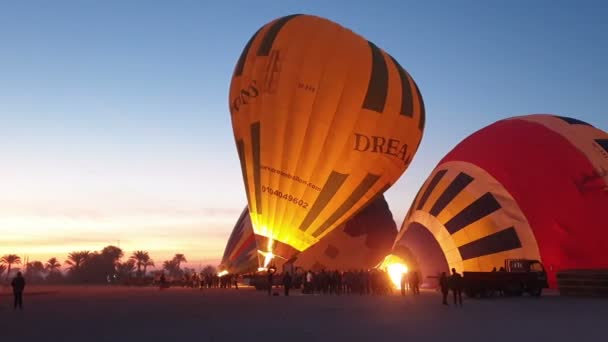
x,y
51,266
139,260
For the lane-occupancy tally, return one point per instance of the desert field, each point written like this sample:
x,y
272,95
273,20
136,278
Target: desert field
x,y
97,313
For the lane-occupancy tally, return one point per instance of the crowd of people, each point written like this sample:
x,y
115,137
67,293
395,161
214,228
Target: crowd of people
x,y
332,282
359,282
201,280
371,282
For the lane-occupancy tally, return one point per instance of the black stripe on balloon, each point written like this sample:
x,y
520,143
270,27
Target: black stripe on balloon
x,y
240,146
409,212
255,145
271,34
235,236
457,185
246,260
482,207
377,89
572,121
422,110
355,196
502,241
372,199
381,192
332,185
430,188
407,105
240,65
603,143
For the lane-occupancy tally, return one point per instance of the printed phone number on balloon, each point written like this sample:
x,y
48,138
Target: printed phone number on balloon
x,y
285,196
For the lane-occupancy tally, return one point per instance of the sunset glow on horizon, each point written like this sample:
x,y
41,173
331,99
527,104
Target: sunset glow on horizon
x,y
54,232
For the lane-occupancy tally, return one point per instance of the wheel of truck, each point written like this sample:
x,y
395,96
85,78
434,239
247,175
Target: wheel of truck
x,y
536,292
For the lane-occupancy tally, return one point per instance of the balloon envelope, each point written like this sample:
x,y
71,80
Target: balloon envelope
x,y
531,187
360,243
324,121
240,254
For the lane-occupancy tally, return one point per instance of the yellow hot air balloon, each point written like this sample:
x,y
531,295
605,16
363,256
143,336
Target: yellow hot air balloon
x,y
324,121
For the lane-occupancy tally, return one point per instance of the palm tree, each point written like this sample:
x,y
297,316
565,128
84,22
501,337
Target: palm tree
x,y
76,259
52,265
148,262
168,265
178,259
112,252
2,269
36,266
126,268
140,258
35,270
10,259
171,267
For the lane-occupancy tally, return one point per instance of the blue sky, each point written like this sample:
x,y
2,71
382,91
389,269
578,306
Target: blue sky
x,y
115,123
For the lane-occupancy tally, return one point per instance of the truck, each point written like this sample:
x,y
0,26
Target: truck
x,y
517,277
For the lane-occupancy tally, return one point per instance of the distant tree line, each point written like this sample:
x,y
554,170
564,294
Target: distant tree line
x,y
85,267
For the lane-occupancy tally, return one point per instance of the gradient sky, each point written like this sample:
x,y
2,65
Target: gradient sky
x,y
114,114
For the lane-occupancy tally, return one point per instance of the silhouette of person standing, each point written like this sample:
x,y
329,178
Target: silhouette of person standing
x,y
18,285
445,287
162,282
415,282
456,280
287,283
403,281
270,274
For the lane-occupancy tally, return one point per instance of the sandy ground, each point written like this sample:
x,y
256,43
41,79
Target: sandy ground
x,y
147,314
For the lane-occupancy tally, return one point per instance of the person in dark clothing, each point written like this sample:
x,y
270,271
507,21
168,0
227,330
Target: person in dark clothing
x,y
18,285
415,282
338,282
457,285
270,274
445,287
162,282
287,283
403,281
